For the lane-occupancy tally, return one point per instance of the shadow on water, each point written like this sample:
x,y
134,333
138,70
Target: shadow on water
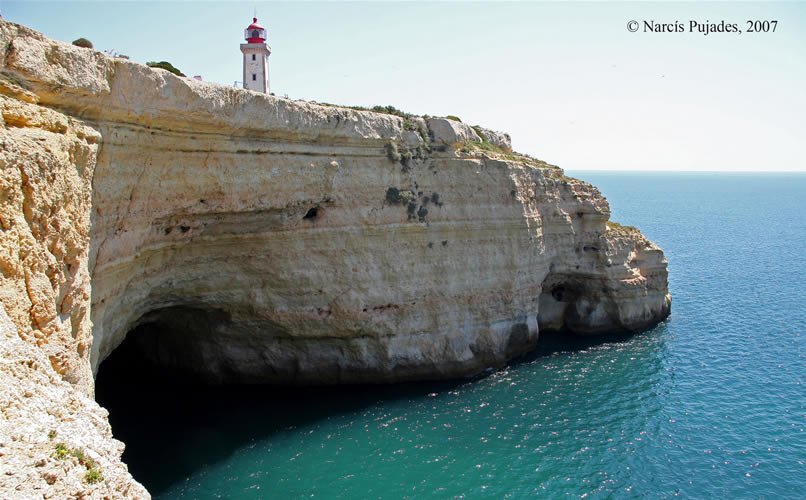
x,y
173,427
563,342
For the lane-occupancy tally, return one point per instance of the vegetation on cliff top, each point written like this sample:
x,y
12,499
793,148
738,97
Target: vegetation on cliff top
x,y
166,66
82,42
615,226
498,152
394,154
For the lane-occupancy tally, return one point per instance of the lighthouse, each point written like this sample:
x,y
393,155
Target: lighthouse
x,y
255,58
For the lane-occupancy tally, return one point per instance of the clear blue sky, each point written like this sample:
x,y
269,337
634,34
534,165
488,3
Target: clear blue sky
x,y
568,80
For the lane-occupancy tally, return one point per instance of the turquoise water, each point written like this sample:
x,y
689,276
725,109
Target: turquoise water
x,y
711,403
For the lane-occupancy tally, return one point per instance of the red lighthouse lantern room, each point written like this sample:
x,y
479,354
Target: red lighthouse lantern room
x,y
255,33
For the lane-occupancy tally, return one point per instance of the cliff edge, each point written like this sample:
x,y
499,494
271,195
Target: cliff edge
x,y
241,237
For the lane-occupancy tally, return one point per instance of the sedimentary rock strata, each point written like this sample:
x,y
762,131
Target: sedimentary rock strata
x,y
242,237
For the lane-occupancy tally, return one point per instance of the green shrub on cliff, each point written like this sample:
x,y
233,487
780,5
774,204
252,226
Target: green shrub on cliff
x,y
616,226
468,146
387,110
166,66
487,147
398,197
390,110
82,42
93,475
392,152
61,451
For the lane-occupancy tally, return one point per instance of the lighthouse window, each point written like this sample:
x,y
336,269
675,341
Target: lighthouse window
x,y
256,34
254,77
253,57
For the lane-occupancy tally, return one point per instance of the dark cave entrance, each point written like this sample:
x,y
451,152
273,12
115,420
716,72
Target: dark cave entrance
x,y
165,405
175,344
175,419
577,304
556,302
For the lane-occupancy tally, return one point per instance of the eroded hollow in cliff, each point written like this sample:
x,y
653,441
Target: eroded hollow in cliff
x,y
174,343
162,389
576,304
175,419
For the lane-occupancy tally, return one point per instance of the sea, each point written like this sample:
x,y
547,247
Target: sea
x,y
708,404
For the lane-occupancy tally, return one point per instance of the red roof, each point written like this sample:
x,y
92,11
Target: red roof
x,y
255,25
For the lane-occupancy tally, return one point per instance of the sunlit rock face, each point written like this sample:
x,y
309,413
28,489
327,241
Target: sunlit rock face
x,y
328,244
249,238
323,260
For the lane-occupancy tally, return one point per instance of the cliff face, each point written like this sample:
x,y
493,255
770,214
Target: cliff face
x,y
54,438
248,238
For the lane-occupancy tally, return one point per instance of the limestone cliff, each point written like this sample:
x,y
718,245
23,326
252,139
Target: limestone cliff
x,y
270,240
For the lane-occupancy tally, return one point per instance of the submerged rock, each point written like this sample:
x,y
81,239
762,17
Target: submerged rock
x,y
248,238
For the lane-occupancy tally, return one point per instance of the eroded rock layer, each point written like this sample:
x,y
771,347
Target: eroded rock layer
x,y
264,240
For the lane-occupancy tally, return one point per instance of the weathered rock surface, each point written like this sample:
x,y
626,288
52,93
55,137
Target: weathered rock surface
x,y
445,131
41,414
499,139
269,240
47,164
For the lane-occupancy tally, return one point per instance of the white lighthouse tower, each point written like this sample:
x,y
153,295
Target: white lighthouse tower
x,y
255,58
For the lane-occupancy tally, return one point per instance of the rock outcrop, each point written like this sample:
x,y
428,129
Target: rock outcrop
x,y
500,140
249,238
444,131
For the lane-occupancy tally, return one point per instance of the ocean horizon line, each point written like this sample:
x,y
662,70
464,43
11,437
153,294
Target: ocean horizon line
x,y
704,172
